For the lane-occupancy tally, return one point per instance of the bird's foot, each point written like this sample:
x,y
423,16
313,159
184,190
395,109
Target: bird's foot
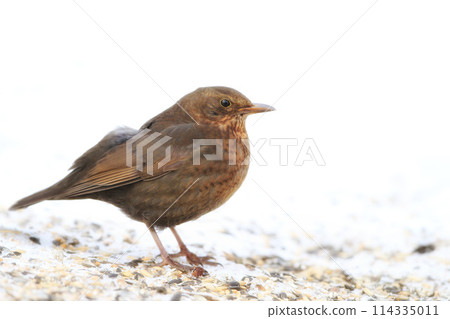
x,y
195,271
193,259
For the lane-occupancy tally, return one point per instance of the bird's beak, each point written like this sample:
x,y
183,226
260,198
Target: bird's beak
x,y
257,108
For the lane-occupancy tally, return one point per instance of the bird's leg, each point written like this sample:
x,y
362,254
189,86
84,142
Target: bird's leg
x,y
190,256
167,260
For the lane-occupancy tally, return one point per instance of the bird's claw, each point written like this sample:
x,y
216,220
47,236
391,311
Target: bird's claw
x,y
193,259
195,271
172,263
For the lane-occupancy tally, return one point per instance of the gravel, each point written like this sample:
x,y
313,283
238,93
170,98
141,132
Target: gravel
x,y
53,258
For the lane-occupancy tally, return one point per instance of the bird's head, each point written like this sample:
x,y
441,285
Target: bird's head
x,y
217,105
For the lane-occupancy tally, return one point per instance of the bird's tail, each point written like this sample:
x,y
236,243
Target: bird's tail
x,y
35,198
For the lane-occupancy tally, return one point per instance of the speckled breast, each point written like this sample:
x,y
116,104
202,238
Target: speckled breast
x,y
209,184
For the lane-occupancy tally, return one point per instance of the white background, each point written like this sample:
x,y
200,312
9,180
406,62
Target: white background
x,y
375,99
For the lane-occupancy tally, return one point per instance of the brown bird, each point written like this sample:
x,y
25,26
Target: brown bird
x,y
180,165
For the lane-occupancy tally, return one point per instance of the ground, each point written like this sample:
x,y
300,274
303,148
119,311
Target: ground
x,y
46,257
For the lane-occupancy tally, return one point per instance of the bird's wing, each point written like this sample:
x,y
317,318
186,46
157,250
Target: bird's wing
x,y
146,156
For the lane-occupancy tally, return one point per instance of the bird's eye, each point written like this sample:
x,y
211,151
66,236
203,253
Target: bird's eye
x,y
225,103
